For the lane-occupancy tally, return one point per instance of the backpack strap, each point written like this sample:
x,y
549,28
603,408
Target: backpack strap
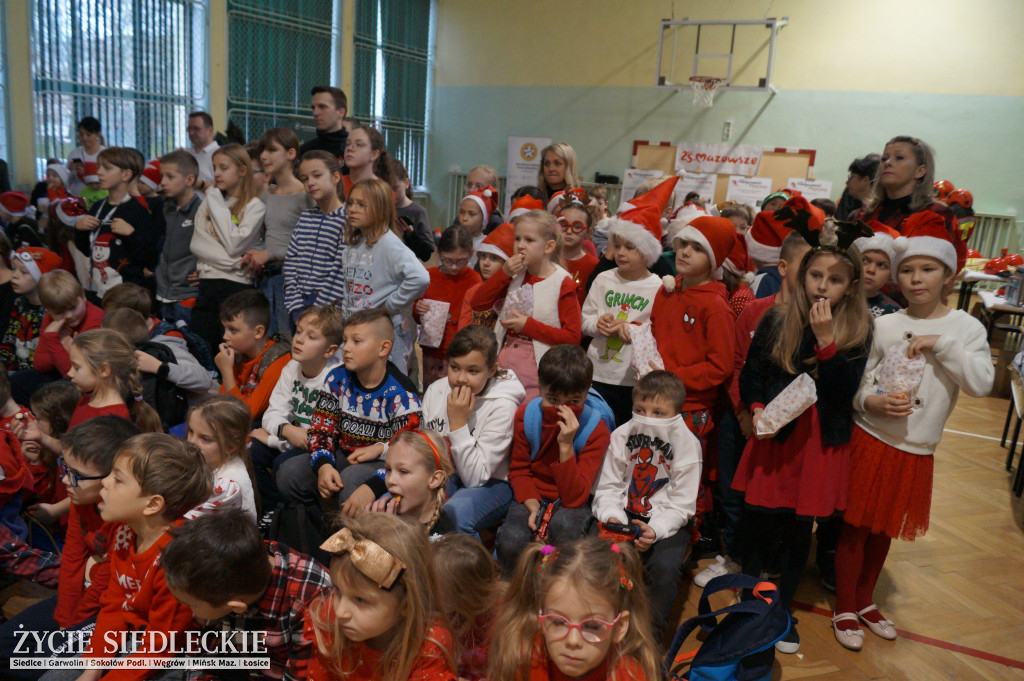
x,y
589,418
275,352
532,419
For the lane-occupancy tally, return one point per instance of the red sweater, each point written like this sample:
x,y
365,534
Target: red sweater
x,y
546,477
543,669
746,325
17,478
452,290
87,536
136,598
253,390
571,331
580,269
694,329
83,412
50,354
433,663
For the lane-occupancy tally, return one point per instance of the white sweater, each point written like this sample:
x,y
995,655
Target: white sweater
x,y
219,243
960,359
294,400
480,449
631,300
652,468
233,471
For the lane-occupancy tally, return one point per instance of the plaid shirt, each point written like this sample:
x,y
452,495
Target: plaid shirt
x,y
297,579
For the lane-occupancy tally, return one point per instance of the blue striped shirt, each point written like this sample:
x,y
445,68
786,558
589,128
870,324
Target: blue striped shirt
x,y
313,264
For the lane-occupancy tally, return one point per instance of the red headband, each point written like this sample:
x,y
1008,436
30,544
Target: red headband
x,y
430,443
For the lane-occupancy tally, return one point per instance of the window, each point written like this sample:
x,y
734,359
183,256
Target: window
x,y
3,83
393,64
278,50
139,66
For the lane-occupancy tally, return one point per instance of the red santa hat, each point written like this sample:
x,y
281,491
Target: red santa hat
x,y
647,209
70,210
486,198
716,236
683,216
500,241
765,236
738,262
524,204
60,171
90,172
924,233
577,197
632,233
14,203
151,175
883,240
38,261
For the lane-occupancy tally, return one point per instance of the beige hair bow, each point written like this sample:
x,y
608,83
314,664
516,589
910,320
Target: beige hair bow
x,y
372,560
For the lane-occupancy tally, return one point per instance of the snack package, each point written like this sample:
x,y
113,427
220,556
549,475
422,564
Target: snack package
x,y
518,300
645,349
433,322
794,400
900,375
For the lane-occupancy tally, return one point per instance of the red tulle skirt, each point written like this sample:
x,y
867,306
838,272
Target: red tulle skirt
x,y
798,474
890,490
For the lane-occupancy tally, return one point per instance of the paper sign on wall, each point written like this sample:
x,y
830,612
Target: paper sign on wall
x,y
633,178
523,164
694,157
703,184
748,190
811,189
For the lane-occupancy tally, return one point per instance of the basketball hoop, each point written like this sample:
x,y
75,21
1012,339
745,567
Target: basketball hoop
x,y
704,89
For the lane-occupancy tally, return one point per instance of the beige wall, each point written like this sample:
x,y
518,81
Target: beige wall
x,y
918,46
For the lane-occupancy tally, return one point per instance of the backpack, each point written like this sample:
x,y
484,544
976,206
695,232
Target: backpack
x,y
197,346
739,647
168,399
595,410
281,347
299,526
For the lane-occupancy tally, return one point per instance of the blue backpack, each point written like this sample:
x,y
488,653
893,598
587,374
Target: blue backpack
x,y
740,647
595,410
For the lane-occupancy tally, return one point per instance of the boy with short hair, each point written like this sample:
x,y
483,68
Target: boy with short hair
x,y
221,568
118,231
286,422
649,479
552,484
21,330
877,254
363,404
175,288
250,363
68,314
156,479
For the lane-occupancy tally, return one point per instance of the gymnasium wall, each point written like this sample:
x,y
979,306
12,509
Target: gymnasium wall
x,y
849,77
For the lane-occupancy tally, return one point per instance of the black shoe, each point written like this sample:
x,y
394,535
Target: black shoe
x,y
827,570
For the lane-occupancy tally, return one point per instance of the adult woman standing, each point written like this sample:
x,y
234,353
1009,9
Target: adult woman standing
x,y
557,169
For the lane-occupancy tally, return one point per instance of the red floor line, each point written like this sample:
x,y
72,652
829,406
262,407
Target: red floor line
x,y
927,640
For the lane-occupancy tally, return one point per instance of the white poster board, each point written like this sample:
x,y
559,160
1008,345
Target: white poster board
x,y
811,189
702,183
523,164
748,190
633,178
723,159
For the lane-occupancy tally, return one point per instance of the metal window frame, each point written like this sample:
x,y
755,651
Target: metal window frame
x,y
5,112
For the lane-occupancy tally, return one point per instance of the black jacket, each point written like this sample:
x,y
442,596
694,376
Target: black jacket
x,y
332,142
837,380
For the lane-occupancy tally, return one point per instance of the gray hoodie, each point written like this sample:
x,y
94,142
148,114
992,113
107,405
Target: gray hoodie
x,y
176,260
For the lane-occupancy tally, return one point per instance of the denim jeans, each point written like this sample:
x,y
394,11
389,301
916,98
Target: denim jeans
x,y
472,509
265,463
514,535
35,618
175,312
272,287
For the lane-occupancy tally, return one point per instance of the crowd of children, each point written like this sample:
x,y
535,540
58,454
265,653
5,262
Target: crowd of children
x,y
519,488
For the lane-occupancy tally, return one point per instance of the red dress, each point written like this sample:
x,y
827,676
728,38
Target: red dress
x,y
542,669
798,474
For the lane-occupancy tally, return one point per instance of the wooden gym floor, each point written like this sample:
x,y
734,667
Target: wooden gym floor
x,y
956,595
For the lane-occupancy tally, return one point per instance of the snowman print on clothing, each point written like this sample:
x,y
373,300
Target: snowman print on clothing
x,y
104,276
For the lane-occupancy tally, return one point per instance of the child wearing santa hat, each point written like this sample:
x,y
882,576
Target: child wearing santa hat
x,y
21,327
895,435
737,274
491,254
475,210
876,256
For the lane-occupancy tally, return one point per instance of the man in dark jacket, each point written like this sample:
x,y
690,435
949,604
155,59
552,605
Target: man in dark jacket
x,y
329,108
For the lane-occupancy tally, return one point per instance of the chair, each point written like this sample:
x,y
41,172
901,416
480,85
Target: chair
x,y
1016,408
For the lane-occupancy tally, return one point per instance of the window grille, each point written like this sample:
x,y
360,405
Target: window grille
x,y
139,66
393,41
3,84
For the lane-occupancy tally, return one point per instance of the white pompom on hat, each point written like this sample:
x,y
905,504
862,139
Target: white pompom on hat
x,y
486,198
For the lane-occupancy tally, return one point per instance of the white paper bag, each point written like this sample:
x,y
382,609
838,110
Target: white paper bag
x,y
645,349
794,400
433,322
518,300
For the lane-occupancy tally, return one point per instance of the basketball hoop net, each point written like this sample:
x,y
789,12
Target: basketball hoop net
x,y
704,89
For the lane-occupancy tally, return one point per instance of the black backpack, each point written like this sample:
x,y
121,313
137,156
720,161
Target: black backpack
x,y
299,526
168,399
197,346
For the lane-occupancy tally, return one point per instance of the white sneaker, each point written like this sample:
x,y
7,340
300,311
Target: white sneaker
x,y
721,566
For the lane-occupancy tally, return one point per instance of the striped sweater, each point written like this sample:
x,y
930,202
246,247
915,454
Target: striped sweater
x,y
313,264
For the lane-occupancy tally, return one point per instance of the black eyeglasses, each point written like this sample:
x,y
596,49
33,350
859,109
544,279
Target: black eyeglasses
x,y
72,475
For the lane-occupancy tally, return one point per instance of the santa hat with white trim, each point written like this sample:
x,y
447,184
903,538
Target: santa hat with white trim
x,y
524,204
151,176
683,216
883,240
38,261
647,208
61,171
499,242
90,172
70,210
14,204
486,198
738,262
924,233
568,197
716,236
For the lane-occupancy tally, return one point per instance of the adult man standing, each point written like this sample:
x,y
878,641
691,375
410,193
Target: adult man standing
x,y
200,134
329,108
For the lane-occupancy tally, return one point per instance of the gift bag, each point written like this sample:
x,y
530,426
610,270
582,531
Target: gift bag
x,y
518,300
645,349
433,322
794,400
900,375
